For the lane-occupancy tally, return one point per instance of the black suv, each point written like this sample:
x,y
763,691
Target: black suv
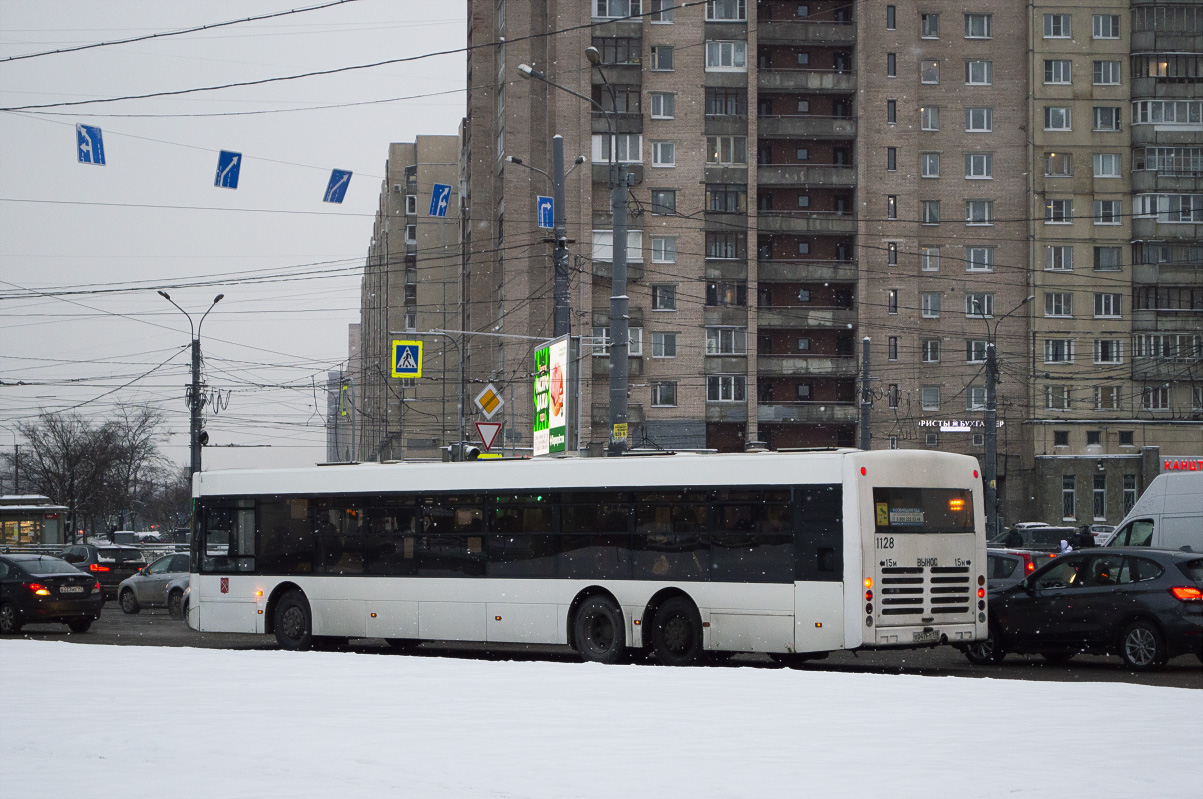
x,y
109,563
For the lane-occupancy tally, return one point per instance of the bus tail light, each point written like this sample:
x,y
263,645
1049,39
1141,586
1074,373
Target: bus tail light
x,y
1187,593
868,582
981,593
868,595
956,504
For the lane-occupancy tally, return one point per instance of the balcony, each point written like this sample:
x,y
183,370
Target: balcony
x,y
805,126
1171,274
1148,227
797,32
808,412
623,122
774,271
1145,180
794,175
1147,321
806,222
806,317
726,412
1164,368
797,365
805,80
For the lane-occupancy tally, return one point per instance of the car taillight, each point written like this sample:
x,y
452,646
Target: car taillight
x,y
96,567
1029,565
1187,593
38,589
96,587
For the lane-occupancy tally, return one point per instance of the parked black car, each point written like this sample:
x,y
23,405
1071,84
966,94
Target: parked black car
x,y
109,563
43,588
1145,605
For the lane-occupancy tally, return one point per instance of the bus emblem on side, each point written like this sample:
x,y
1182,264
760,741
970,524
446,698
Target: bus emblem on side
x,y
225,585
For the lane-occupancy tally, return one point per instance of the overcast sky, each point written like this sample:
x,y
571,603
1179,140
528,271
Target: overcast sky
x,y
151,217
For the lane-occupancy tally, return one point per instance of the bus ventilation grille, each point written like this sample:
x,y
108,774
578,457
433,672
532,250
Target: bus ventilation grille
x,y
917,591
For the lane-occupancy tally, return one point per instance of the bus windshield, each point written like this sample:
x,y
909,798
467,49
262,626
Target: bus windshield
x,y
923,510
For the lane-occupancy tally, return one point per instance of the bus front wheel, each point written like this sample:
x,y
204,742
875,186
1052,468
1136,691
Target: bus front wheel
x,y
677,633
598,630
294,622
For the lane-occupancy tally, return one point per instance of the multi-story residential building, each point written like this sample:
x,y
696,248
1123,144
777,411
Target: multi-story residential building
x,y
411,285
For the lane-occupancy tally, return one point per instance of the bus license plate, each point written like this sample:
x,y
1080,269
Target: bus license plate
x,y
930,635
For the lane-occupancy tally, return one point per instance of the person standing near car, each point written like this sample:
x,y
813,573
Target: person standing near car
x,y
1084,538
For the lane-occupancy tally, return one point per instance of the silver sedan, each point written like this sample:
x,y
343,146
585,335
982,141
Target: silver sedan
x,y
148,588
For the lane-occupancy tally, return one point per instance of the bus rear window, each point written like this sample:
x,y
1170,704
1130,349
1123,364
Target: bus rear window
x,y
923,510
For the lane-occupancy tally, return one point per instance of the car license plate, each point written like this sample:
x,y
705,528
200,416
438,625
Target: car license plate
x,y
930,635
71,589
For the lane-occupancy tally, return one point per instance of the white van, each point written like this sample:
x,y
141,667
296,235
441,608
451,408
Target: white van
x,y
1168,515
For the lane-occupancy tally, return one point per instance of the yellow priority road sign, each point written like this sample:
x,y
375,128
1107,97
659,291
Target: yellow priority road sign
x,y
407,359
489,401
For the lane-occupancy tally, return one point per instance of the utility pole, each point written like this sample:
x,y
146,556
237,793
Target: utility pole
x,y
563,317
197,437
990,420
866,399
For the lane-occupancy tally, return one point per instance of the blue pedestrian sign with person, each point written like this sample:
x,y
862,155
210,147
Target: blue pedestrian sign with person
x,y
90,143
546,207
440,199
227,169
407,359
336,189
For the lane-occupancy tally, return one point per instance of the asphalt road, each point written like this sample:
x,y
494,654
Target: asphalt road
x,y
156,628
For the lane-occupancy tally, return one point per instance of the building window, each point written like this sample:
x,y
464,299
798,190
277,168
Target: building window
x,y
891,252
1106,398
891,159
726,388
891,111
1196,394
930,304
726,150
1107,212
931,350
892,301
979,73
802,154
1060,438
1107,305
929,398
662,58
726,341
627,148
979,166
1059,258
727,199
932,439
613,9
979,120
929,71
1058,165
1058,70
929,258
978,439
664,297
892,394
726,102
726,56
1058,350
727,246
664,250
975,398
603,246
891,206
664,202
1106,73
1056,26
893,442
664,153
891,65
1058,212
731,294
1129,493
664,105
891,18
892,348
1170,208
411,204
804,248
1155,398
602,342
726,10
1107,165
1093,437
1126,438
929,165
929,118
1057,117
1108,259
1067,497
975,351
1106,118
1056,398
1058,303
978,26
979,212
979,259
615,50
930,210
979,304
1108,350
411,234
664,345
929,26
662,11
664,395
1105,26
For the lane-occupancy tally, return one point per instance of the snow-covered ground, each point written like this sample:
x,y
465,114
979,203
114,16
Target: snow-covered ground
x,y
177,722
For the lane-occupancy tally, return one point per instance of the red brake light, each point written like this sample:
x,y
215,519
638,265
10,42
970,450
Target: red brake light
x,y
96,567
975,474
863,471
981,592
1029,565
97,586
38,589
1187,593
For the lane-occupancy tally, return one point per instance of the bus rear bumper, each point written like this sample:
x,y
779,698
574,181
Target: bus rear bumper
x,y
925,635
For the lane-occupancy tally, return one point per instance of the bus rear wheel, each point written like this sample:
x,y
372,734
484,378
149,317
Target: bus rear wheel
x,y
677,633
294,622
598,630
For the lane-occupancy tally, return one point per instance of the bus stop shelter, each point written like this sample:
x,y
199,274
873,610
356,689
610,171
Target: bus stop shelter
x,y
31,519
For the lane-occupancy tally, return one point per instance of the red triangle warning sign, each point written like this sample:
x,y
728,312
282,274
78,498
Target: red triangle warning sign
x,y
488,433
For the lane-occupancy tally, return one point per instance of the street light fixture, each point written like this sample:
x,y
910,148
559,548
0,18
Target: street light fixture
x,y
196,436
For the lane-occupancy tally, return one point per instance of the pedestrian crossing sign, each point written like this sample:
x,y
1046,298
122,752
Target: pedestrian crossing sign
x,y
407,359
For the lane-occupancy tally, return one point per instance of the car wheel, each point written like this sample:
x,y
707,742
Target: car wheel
x,y
988,652
79,625
175,605
9,625
598,630
1058,657
294,622
129,603
1142,646
677,633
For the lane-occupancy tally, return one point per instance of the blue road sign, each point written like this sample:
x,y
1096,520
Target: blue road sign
x,y
227,169
90,144
440,199
546,208
407,359
336,189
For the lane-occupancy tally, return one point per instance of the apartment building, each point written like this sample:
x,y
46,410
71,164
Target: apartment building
x,y
411,284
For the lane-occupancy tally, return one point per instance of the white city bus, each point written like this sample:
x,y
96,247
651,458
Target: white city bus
x,y
789,553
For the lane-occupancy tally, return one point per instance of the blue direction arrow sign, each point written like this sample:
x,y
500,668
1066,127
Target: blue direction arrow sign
x,y
546,207
90,144
227,169
407,359
336,189
440,199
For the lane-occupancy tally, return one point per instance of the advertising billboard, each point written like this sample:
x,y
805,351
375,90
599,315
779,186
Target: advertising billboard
x,y
551,397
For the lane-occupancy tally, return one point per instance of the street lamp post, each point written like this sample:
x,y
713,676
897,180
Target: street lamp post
x,y
619,301
195,400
